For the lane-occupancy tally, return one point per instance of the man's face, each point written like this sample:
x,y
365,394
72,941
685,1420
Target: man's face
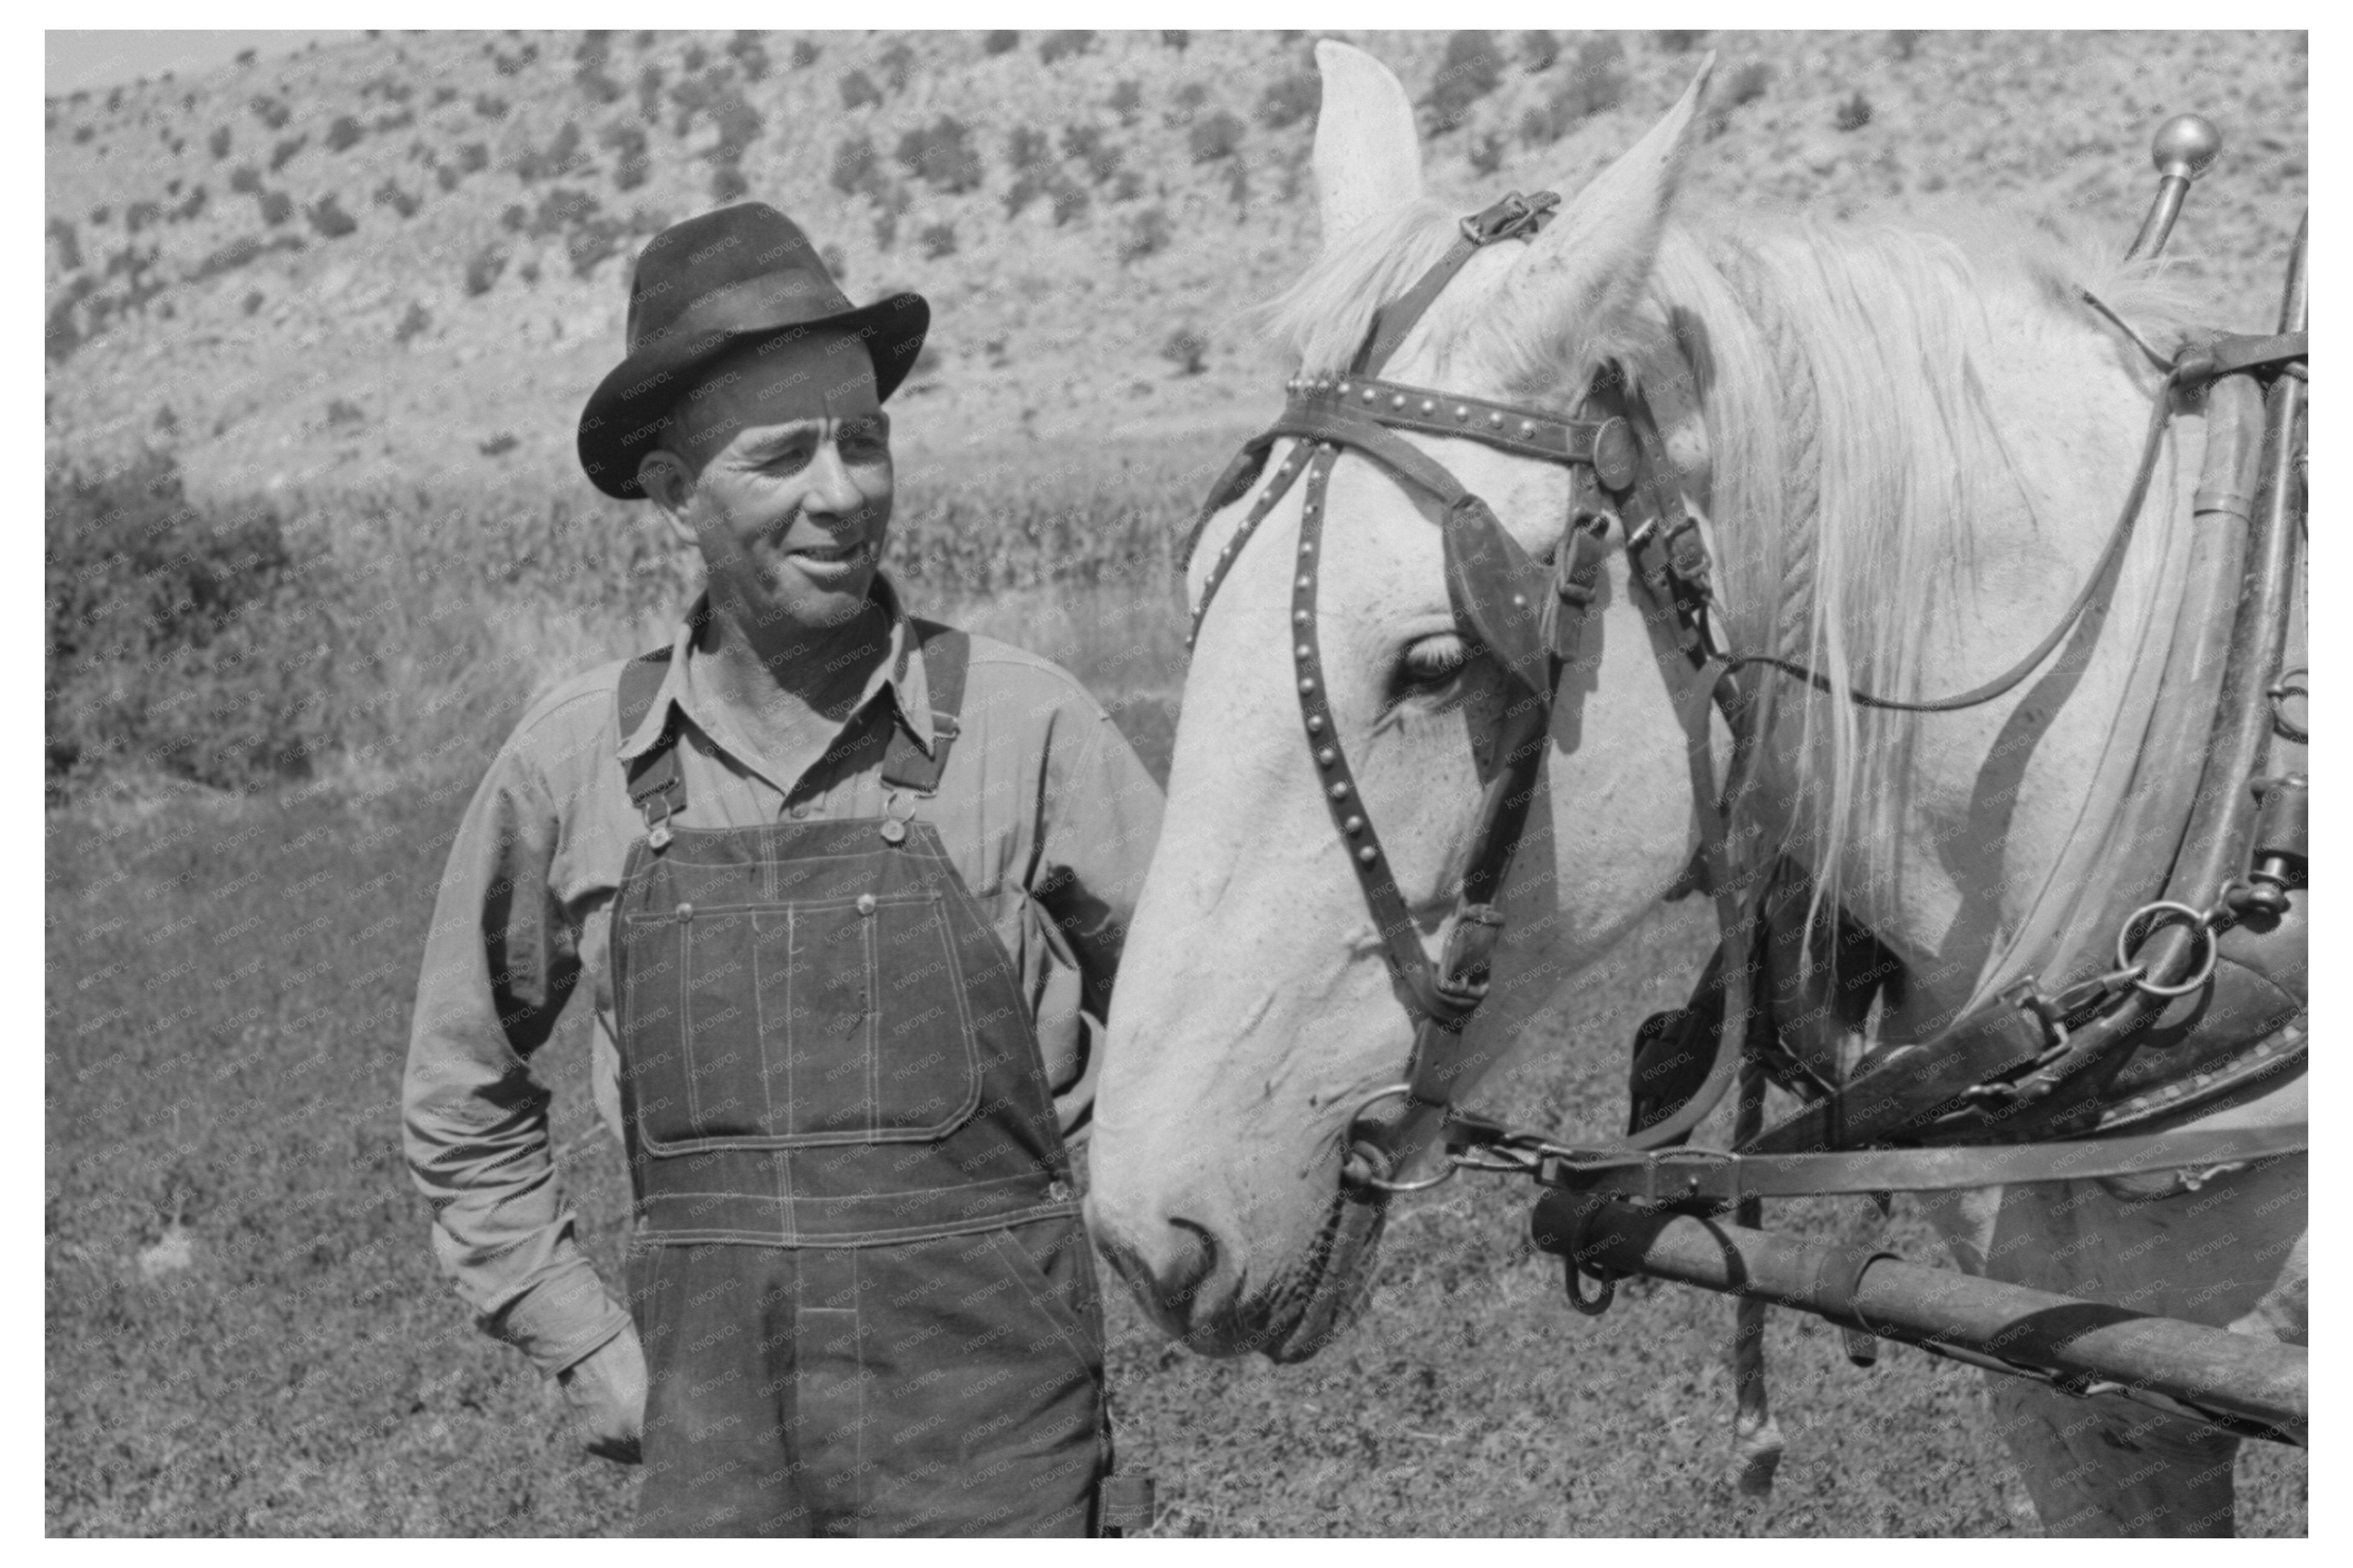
x,y
786,463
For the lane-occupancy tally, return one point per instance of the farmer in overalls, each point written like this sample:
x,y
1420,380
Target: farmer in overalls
x,y
844,885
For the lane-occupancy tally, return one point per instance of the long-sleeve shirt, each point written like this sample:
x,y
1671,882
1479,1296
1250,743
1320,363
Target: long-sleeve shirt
x,y
1052,839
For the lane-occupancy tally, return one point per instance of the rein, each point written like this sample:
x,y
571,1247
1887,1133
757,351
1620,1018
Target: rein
x,y
1528,616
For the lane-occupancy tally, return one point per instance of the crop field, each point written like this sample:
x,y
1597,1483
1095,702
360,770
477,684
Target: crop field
x,y
246,1333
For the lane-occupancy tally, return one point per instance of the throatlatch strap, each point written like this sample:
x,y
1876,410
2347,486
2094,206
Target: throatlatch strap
x,y
946,654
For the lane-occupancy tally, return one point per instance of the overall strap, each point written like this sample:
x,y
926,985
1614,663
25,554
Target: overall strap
x,y
946,654
653,776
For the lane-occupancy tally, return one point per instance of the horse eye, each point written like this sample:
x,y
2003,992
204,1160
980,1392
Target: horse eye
x,y
1435,660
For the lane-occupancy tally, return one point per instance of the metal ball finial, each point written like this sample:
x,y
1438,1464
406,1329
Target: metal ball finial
x,y
2185,145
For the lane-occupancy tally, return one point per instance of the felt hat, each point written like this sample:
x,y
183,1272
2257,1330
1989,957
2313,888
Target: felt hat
x,y
700,288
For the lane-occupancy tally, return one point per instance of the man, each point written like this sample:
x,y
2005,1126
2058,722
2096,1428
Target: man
x,y
840,883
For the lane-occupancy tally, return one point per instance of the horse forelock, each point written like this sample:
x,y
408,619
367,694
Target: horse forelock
x,y
1323,317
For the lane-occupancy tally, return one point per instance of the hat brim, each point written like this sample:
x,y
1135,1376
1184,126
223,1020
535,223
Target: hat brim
x,y
625,416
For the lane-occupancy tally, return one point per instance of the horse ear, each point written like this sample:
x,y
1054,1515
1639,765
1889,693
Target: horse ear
x,y
1367,153
1590,263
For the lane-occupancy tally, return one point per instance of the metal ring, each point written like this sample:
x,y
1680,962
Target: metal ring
x,y
2289,684
1355,1174
2205,971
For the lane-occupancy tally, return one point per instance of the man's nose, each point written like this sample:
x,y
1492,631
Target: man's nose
x,y
832,489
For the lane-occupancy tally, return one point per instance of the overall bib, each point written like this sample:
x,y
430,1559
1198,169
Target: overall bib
x,y
859,1274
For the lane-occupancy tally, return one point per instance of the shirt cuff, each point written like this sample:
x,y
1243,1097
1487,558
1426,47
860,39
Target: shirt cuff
x,y
562,1319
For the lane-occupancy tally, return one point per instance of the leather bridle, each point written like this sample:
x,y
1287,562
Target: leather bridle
x,y
1527,615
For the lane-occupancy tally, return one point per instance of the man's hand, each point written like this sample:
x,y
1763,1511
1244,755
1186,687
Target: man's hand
x,y
605,1392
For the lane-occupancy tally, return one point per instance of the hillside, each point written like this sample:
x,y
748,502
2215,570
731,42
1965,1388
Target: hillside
x,y
401,262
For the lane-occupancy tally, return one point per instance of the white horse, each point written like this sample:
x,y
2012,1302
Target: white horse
x,y
1910,447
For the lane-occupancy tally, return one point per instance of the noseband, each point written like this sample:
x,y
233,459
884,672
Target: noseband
x,y
1527,615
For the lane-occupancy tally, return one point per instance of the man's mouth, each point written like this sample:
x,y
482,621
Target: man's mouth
x,y
840,556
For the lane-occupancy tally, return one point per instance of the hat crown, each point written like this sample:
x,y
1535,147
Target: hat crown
x,y
750,250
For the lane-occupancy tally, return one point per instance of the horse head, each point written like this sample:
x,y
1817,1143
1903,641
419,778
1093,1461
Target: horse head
x,y
1255,1015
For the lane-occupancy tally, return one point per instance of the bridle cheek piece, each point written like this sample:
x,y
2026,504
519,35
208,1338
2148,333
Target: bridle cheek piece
x,y
1526,615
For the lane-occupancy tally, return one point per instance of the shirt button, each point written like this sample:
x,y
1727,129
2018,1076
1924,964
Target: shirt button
x,y
798,811
865,903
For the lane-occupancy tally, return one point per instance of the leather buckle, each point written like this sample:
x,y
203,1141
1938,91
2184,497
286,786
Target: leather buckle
x,y
1514,217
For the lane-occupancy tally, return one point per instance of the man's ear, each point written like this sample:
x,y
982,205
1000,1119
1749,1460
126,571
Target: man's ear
x,y
663,478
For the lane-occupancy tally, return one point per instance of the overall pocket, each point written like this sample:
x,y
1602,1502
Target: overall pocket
x,y
837,1021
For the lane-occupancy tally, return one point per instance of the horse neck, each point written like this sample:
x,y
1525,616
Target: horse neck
x,y
1895,545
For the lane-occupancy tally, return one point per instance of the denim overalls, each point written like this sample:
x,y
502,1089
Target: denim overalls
x,y
859,1274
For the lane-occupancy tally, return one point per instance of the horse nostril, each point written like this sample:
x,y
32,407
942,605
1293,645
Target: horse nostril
x,y
1189,1267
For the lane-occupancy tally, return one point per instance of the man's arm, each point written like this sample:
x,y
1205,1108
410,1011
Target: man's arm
x,y
499,963
1101,817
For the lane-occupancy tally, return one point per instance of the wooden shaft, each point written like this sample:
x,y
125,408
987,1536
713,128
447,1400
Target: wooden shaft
x,y
2157,227
2260,1381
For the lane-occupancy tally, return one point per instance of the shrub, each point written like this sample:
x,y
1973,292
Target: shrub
x,y
473,157
750,53
489,106
727,185
628,144
1215,137
252,302
1487,154
1062,45
1000,42
1147,234
483,268
1472,67
897,64
218,142
1185,349
1026,188
442,95
939,240
1070,199
277,206
596,85
804,53
499,445
1026,148
1593,84
193,205
740,125
68,244
343,135
857,90
1678,43
390,195
285,151
1747,84
561,156
649,86
139,214
1175,37
413,321
176,636
1294,99
1852,114
1903,41
942,155
853,164
1538,49
1127,100
271,112
328,218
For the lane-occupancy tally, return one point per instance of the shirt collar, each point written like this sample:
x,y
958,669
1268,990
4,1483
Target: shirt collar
x,y
900,673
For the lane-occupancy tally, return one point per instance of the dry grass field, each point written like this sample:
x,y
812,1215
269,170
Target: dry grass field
x,y
315,537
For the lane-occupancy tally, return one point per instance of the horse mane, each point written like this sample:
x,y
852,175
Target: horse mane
x,y
1850,443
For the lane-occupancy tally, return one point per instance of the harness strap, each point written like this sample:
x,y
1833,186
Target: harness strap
x,y
1719,1177
1514,217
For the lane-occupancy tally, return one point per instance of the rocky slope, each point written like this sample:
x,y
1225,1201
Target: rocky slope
x,y
402,262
